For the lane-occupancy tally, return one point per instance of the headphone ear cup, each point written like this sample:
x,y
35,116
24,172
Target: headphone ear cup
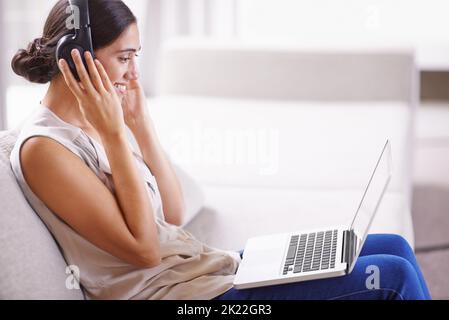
x,y
64,51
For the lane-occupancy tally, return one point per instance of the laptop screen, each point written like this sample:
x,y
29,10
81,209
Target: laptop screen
x,y
371,198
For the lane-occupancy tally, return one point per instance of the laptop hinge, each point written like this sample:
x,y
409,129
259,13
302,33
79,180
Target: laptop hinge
x,y
349,247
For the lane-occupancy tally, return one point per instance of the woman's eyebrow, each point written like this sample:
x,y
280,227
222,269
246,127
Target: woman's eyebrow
x,y
129,50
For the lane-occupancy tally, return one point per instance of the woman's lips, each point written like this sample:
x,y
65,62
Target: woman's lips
x,y
120,88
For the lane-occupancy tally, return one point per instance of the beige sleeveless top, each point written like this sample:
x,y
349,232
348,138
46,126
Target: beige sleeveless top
x,y
189,268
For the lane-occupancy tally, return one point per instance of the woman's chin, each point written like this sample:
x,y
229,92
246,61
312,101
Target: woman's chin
x,y
121,97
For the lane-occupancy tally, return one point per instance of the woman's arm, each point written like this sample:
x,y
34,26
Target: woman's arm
x,y
156,160
131,193
138,120
123,225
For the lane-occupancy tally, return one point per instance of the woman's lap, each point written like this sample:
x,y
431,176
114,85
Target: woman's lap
x,y
386,269
396,245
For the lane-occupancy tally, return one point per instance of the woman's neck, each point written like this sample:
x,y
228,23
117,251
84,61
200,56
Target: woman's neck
x,y
60,100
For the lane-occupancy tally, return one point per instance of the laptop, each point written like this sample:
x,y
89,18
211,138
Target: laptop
x,y
314,254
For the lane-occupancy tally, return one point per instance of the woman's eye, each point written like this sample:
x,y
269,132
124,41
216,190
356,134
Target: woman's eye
x,y
126,59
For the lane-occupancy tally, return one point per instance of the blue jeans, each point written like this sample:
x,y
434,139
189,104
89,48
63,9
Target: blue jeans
x,y
399,278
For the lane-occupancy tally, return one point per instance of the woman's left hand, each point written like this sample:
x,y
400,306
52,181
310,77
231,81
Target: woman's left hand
x,y
135,106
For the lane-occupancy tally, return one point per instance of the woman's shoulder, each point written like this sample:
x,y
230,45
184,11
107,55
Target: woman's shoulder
x,y
43,123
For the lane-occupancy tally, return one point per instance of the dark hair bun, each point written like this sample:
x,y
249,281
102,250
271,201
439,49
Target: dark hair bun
x,y
36,64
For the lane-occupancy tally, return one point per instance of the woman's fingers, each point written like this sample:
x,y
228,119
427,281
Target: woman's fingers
x,y
94,75
104,76
70,79
82,73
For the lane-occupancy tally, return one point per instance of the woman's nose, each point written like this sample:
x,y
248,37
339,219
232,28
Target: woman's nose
x,y
132,73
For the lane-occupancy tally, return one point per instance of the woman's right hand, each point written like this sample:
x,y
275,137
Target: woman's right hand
x,y
96,95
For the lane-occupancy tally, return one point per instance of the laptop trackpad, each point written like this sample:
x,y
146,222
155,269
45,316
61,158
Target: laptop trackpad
x,y
265,253
267,256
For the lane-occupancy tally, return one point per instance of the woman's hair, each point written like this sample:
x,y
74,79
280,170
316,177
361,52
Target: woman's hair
x,y
108,19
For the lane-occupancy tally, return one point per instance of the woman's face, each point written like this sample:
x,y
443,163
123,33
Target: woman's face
x,y
119,59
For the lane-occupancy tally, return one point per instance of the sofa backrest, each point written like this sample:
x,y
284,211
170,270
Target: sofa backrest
x,y
31,264
295,73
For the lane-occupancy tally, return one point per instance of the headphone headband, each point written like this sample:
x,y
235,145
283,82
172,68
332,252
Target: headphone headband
x,y
81,39
83,6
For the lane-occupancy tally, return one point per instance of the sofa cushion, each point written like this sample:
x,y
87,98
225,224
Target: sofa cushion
x,y
278,144
31,264
233,214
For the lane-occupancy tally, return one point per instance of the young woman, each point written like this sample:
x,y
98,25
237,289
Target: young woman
x,y
116,215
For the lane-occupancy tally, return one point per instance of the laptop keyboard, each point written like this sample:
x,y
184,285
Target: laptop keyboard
x,y
311,252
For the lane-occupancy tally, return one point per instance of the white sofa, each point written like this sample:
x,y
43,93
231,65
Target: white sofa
x,y
314,121
318,118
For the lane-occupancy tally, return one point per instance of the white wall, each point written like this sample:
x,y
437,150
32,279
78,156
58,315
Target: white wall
x,y
2,81
417,21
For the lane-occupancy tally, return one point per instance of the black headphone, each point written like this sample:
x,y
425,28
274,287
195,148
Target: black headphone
x,y
81,39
